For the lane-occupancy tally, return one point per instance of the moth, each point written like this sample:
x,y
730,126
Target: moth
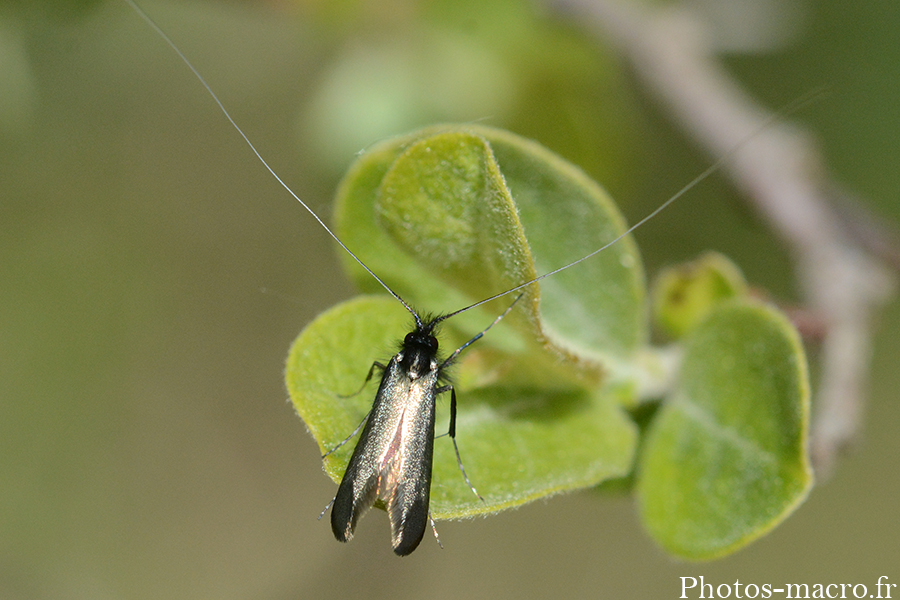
x,y
392,460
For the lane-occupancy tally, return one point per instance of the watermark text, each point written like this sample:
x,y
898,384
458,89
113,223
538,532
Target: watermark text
x,y
698,587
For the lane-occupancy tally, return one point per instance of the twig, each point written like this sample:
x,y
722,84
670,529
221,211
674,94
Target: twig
x,y
784,178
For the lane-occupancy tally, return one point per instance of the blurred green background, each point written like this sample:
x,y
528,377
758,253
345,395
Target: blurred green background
x,y
153,275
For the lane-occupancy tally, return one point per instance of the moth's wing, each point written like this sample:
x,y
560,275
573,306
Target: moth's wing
x,y
409,509
358,488
408,503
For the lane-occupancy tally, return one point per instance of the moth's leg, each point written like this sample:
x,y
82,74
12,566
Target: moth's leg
x,y
349,437
434,529
322,514
452,434
375,365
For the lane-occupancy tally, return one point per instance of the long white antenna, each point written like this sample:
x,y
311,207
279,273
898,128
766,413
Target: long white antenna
x,y
225,112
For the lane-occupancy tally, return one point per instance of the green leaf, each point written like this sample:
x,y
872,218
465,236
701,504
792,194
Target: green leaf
x,y
517,444
685,294
726,459
451,215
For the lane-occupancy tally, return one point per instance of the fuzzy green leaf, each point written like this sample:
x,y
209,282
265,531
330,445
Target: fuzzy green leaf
x,y
451,215
726,459
684,294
